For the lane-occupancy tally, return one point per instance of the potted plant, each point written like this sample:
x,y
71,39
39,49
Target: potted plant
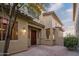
x,y
71,42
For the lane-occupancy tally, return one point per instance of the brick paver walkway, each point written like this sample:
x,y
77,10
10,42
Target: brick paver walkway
x,y
42,50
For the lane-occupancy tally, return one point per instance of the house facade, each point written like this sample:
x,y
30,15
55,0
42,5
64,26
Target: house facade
x,y
28,31
54,26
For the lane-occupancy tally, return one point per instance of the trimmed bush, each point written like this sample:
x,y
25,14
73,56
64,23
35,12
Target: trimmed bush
x,y
70,42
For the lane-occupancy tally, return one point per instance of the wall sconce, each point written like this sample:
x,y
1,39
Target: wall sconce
x,y
24,30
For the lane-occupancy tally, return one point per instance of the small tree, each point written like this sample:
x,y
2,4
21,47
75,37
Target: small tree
x,y
12,11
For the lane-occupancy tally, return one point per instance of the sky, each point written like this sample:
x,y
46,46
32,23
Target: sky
x,y
64,12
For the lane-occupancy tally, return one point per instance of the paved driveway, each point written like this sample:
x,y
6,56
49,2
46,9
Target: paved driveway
x,y
42,50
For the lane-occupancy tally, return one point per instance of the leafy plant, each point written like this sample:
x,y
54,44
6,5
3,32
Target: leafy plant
x,y
70,42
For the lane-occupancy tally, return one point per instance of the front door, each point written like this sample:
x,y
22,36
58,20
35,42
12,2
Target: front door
x,y
33,37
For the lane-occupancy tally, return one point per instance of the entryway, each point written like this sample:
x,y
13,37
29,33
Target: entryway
x,y
33,37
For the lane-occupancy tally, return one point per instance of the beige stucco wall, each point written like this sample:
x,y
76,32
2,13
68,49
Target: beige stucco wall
x,y
44,39
50,22
59,37
1,47
22,42
47,21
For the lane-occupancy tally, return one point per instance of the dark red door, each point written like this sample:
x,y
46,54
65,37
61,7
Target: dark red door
x,y
33,37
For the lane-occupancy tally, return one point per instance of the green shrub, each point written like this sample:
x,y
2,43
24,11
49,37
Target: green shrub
x,y
70,41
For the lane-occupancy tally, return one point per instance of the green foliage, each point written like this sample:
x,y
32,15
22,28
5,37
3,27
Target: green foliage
x,y
70,41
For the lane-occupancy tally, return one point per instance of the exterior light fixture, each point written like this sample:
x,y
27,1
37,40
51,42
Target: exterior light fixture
x,y
24,30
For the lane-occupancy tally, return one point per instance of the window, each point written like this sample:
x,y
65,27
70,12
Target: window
x,y
47,33
2,31
3,28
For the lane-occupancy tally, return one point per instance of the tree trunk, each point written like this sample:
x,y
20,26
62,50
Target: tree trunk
x,y
8,32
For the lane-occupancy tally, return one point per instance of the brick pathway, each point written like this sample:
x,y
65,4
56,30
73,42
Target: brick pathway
x,y
43,50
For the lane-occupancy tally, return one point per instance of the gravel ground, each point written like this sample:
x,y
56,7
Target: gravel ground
x,y
42,50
